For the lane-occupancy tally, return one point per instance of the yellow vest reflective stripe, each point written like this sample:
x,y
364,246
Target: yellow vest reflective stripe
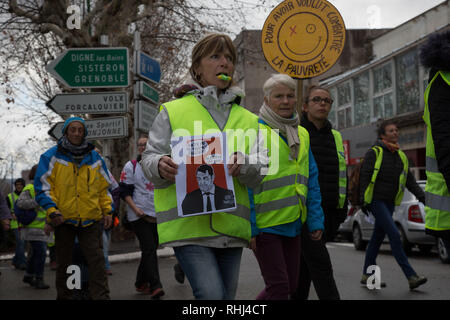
x,y
188,118
281,197
437,195
368,194
13,224
39,221
342,168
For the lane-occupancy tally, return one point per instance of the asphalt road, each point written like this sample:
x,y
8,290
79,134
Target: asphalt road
x,y
347,264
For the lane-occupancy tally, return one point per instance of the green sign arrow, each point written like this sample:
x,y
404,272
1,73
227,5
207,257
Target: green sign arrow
x,y
143,90
91,68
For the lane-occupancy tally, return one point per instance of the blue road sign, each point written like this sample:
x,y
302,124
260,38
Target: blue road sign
x,y
147,67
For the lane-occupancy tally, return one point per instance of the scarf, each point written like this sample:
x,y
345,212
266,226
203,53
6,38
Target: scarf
x,y
392,147
77,152
287,126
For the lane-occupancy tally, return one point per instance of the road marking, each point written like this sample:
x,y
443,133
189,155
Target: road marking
x,y
339,244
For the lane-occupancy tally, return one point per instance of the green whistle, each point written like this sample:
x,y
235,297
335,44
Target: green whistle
x,y
224,77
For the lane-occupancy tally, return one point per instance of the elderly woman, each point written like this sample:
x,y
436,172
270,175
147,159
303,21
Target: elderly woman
x,y
287,198
208,246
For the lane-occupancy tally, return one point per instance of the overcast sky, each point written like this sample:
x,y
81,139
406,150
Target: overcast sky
x,y
368,13
356,14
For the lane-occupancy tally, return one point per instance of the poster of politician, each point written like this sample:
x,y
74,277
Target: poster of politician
x,y
203,184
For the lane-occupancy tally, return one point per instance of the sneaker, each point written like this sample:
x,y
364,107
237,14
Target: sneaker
x,y
156,294
143,288
415,281
364,281
39,284
179,274
30,280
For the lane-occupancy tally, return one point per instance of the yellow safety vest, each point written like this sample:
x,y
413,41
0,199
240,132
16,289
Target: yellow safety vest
x,y
368,194
342,168
437,195
281,197
183,113
14,224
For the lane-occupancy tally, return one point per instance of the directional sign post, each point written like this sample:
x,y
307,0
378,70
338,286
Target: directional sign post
x,y
92,68
146,67
101,128
146,114
143,90
89,103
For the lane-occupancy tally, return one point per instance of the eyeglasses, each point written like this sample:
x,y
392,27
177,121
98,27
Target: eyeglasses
x,y
318,99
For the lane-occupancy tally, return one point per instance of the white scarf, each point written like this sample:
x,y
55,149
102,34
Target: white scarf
x,y
287,126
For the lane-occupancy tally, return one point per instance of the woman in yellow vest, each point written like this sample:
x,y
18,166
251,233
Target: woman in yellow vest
x,y
383,177
288,197
208,246
35,235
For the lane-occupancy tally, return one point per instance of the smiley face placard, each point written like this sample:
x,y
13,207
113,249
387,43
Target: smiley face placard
x,y
303,38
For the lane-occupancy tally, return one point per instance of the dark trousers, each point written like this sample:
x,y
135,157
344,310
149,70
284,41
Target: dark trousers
x,y
36,260
278,258
315,266
384,224
90,241
148,270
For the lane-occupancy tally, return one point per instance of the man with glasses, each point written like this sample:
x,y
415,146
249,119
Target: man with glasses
x,y
328,151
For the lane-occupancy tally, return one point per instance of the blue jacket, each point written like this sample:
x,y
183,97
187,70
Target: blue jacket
x,y
314,218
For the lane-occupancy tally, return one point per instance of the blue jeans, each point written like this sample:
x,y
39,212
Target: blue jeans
x,y
36,261
384,224
19,254
212,272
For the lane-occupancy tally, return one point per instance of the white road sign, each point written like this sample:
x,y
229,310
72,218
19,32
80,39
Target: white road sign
x,y
101,128
146,114
90,103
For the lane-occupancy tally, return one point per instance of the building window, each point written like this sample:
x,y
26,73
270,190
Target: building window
x,y
383,105
407,79
361,93
344,105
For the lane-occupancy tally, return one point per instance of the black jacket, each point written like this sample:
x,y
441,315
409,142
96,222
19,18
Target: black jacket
x,y
435,54
386,185
193,202
323,148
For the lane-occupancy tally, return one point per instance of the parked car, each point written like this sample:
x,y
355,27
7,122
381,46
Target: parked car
x,y
443,247
409,217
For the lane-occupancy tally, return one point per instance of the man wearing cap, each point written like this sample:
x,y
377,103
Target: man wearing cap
x,y
71,184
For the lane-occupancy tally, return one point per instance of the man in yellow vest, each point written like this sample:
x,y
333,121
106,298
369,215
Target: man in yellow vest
x,y
435,54
19,260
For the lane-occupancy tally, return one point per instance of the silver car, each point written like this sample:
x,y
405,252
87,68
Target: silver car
x,y
409,217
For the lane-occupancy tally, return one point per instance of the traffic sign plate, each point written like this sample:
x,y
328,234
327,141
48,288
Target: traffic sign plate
x,y
143,90
146,114
91,68
101,128
89,103
146,67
